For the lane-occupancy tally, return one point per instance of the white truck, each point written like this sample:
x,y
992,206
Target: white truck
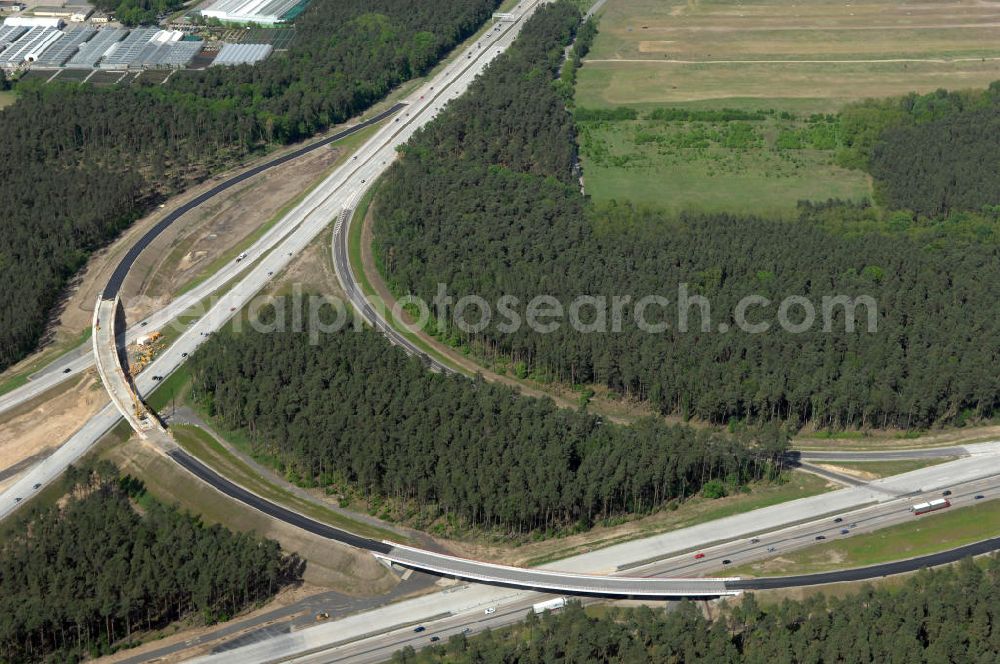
x,y
934,505
549,605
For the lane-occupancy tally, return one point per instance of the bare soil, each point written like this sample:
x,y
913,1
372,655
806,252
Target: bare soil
x,y
891,439
45,424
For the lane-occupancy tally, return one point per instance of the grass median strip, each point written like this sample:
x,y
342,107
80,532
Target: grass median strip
x,y
46,357
697,511
920,536
209,451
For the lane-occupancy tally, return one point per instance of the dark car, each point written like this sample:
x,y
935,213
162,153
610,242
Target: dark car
x,y
821,537
419,628
67,370
844,531
435,638
979,496
755,540
946,492
37,485
184,354
838,519
726,561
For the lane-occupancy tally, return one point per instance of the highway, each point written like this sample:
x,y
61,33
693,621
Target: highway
x,y
274,251
82,358
339,193
375,635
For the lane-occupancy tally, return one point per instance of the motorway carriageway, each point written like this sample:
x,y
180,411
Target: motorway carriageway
x,y
649,584
313,221
271,254
375,635
72,363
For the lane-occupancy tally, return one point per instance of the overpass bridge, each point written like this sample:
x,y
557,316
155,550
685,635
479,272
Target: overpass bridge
x,y
109,354
593,585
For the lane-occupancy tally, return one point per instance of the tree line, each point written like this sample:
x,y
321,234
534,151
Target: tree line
x,y
86,576
352,410
78,164
926,151
936,617
485,200
138,12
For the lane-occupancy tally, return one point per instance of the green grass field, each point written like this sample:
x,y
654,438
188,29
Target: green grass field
x,y
735,166
920,536
7,98
784,53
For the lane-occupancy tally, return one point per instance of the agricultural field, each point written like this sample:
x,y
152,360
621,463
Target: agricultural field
x,y
155,76
36,75
805,56
73,75
103,78
7,98
761,165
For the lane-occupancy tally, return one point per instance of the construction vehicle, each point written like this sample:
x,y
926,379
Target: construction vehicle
x,y
145,350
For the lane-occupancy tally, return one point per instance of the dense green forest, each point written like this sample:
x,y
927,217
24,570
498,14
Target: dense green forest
x,y
941,166
354,410
926,152
485,200
136,12
79,163
936,617
84,577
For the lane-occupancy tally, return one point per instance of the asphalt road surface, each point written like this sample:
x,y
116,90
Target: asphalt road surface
x,y
340,191
70,364
374,636
273,252
209,476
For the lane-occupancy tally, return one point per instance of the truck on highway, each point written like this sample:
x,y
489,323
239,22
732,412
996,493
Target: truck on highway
x,y
549,605
931,506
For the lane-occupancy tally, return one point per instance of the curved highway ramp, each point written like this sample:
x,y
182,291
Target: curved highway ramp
x,y
461,568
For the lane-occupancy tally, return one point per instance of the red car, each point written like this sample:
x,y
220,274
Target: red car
x,y
699,556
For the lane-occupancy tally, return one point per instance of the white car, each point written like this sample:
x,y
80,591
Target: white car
x,y
490,610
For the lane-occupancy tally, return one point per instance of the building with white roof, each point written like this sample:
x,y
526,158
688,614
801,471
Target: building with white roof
x,y
264,12
35,21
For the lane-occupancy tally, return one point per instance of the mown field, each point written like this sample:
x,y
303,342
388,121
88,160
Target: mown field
x,y
764,166
806,56
6,98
